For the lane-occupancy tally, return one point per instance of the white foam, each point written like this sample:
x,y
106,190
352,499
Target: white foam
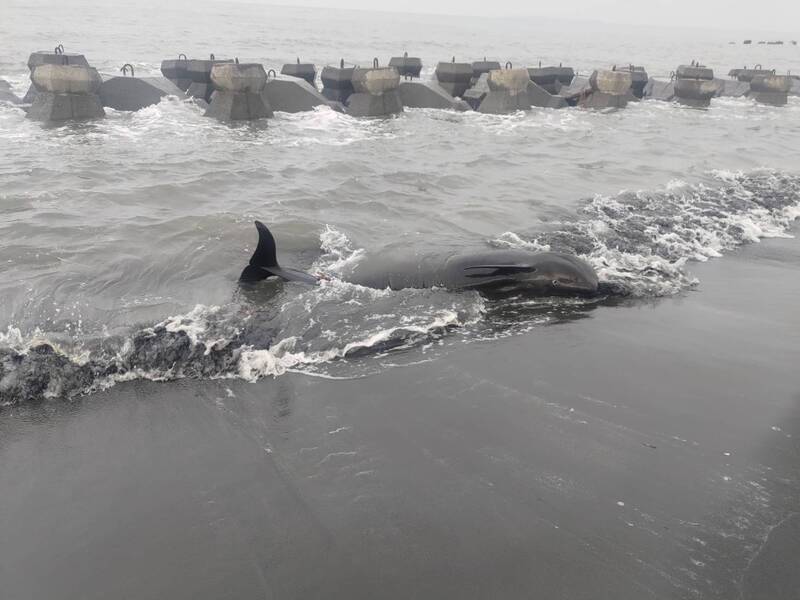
x,y
13,339
17,341
645,239
339,251
284,356
194,323
509,239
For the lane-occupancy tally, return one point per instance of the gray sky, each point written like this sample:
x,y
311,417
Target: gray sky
x,y
755,15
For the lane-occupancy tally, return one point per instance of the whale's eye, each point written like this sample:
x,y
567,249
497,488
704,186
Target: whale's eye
x,y
556,283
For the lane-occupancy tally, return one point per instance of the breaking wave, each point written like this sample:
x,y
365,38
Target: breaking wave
x,y
639,242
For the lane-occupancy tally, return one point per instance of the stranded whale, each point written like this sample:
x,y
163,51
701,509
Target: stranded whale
x,y
491,272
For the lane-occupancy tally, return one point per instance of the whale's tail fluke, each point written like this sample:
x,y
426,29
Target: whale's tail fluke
x,y
264,262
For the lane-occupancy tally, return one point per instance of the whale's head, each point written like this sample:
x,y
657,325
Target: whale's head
x,y
563,275
540,274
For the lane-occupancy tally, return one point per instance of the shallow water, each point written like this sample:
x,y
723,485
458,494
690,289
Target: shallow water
x,y
116,226
646,450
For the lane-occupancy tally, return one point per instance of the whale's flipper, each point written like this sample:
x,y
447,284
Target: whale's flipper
x,y
497,270
264,262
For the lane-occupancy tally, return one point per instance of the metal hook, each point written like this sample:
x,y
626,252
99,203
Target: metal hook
x,y
405,54
182,57
509,65
672,75
758,66
58,49
540,64
271,74
213,57
454,60
298,60
125,68
375,63
341,64
236,59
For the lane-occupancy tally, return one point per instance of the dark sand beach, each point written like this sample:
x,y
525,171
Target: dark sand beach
x,y
647,450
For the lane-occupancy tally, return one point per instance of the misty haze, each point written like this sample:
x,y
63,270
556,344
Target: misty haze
x,y
372,300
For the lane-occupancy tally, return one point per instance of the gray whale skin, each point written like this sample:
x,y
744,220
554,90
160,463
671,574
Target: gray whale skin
x,y
490,272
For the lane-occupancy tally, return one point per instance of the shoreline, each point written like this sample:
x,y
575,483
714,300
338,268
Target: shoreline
x,y
639,452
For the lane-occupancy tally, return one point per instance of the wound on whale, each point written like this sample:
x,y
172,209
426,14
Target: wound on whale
x,y
490,272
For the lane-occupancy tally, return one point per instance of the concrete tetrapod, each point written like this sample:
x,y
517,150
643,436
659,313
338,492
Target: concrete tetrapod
x,y
617,83
694,71
134,93
429,94
483,67
695,92
305,71
199,71
376,92
407,66
540,97
609,89
65,92
292,95
177,71
639,79
771,89
454,77
572,93
695,85
731,88
50,57
46,57
659,90
551,79
337,82
476,94
747,75
508,92
239,92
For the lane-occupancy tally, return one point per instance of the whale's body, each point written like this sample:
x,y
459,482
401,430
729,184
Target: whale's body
x,y
490,271
493,271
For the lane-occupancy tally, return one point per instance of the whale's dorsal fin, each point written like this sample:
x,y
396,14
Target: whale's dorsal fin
x,y
266,254
495,270
264,262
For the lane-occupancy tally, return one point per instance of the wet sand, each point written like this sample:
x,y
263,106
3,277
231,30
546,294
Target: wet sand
x,y
649,450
